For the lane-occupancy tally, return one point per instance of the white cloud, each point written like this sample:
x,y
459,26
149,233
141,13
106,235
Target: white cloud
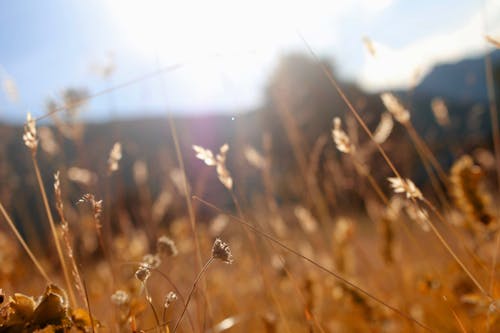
x,y
396,67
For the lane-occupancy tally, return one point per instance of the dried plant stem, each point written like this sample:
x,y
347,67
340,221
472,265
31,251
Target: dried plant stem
x,y
448,248
351,108
88,305
67,243
150,302
24,245
346,282
386,157
191,292
189,205
54,232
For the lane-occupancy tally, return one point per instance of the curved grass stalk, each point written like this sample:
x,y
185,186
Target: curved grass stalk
x,y
337,276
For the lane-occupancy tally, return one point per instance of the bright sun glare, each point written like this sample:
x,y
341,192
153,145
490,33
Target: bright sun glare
x,y
192,29
222,40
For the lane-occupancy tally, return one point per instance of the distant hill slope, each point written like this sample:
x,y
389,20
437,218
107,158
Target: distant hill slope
x,y
464,81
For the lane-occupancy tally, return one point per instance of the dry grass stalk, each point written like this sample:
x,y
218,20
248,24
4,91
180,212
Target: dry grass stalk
x,y
337,276
391,164
219,161
160,206
48,142
25,246
82,176
440,111
220,251
394,106
31,141
468,193
306,219
388,236
405,186
140,170
96,206
413,193
191,212
67,240
341,138
384,128
418,215
343,235
255,158
30,134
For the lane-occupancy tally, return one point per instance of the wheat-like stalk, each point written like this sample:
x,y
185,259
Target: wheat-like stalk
x,y
31,141
470,196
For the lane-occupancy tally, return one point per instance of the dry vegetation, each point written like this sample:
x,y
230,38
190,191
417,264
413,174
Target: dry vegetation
x,y
352,249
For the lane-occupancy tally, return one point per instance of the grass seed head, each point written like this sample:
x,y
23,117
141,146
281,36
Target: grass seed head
x,y
384,128
221,251
405,186
395,107
143,273
120,297
341,138
166,247
440,111
30,137
205,155
151,260
170,298
115,156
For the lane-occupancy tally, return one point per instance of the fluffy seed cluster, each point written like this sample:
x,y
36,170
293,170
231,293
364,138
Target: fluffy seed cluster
x,y
219,161
151,260
221,251
405,186
166,247
341,138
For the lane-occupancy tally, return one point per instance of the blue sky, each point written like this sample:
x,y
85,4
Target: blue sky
x,y
227,48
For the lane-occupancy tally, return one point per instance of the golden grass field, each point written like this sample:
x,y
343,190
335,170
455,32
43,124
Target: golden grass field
x,y
340,240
